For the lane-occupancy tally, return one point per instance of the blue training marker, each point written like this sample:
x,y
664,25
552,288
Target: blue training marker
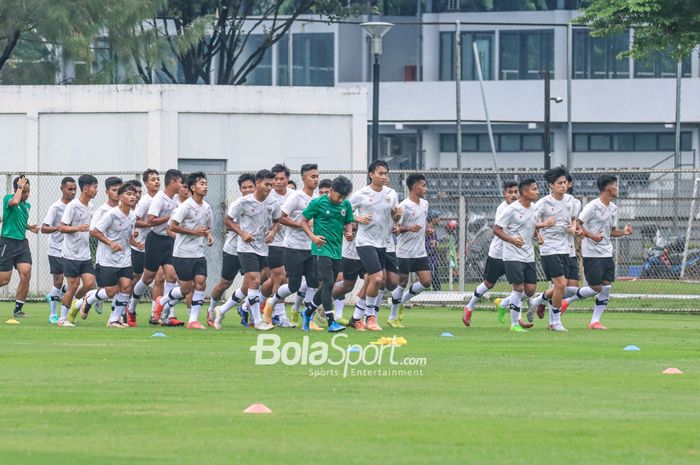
x,y
159,335
632,347
447,335
353,349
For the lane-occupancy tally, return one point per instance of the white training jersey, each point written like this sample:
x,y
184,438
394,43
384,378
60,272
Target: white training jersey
x,y
598,219
160,206
98,214
496,246
556,238
191,215
231,243
76,246
293,207
256,218
572,237
117,227
391,239
349,250
518,221
412,244
53,219
378,205
141,212
278,241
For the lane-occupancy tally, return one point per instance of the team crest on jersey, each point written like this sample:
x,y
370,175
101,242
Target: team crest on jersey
x,y
342,212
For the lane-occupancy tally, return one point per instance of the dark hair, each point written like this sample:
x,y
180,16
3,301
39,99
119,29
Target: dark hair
x,y
292,183
280,168
147,173
14,182
264,174
128,186
413,178
66,180
308,167
172,175
376,164
570,191
192,179
135,183
245,177
552,174
604,180
342,186
508,184
325,184
86,180
113,181
525,183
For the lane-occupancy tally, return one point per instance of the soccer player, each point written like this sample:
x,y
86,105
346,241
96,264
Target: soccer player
x,y
494,268
77,262
159,246
230,266
352,270
377,202
113,257
55,245
276,253
291,185
332,220
410,248
391,268
573,274
14,247
257,214
555,248
299,263
597,226
191,222
151,180
112,185
516,228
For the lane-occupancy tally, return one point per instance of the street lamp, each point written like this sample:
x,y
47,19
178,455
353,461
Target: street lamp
x,y
547,100
376,31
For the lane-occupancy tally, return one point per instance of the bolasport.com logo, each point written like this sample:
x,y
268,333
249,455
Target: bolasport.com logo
x,y
337,357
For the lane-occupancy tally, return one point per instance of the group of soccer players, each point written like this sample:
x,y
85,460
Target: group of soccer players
x,y
312,243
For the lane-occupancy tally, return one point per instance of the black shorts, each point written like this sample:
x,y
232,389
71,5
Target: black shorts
x,y
352,269
275,256
230,267
77,268
596,270
108,276
138,258
494,269
159,251
13,252
55,265
520,272
373,258
572,272
411,265
252,262
187,268
555,266
391,264
300,263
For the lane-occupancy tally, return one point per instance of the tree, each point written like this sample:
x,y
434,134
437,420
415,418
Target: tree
x,y
671,26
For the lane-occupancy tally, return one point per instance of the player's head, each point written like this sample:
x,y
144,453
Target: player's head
x,y
324,186
511,193
378,172
127,194
291,185
184,192
151,179
264,180
68,188
569,184
310,175
112,185
281,173
528,189
25,189
556,179
197,183
88,185
173,180
138,187
246,183
416,184
340,189
608,183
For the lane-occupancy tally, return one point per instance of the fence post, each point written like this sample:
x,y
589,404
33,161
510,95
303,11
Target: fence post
x,y
691,217
462,228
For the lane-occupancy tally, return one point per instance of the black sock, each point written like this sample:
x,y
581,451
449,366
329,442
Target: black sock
x,y
18,306
330,316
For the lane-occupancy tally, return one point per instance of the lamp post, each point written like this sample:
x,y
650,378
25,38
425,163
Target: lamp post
x,y
376,31
547,100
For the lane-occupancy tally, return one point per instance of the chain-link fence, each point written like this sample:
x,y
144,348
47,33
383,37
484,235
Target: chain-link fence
x,y
657,203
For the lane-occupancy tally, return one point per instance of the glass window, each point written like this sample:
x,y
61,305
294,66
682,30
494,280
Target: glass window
x,y
623,142
470,143
645,142
667,142
485,144
596,57
447,49
686,141
510,142
448,143
660,65
599,142
484,43
524,54
580,142
313,55
261,75
532,143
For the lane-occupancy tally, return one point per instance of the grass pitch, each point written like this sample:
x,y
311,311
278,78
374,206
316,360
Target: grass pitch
x,y
92,395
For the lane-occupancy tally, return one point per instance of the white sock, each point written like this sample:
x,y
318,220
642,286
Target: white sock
x,y
235,299
173,295
64,289
339,305
515,304
371,303
360,307
197,302
280,311
55,298
554,315
601,303
64,313
120,302
210,311
582,293
505,303
310,293
79,302
396,296
139,288
282,293
254,304
481,289
570,291
415,289
298,300
167,287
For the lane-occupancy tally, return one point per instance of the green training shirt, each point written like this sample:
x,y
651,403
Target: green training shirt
x,y
329,221
14,219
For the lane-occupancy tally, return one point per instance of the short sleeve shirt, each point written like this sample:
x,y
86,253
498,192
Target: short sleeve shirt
x,y
76,246
14,219
556,238
412,244
598,219
278,241
117,227
53,219
191,215
293,207
518,221
496,246
329,221
378,205
160,206
255,218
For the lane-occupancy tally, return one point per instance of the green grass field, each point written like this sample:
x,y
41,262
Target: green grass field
x,y
92,395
